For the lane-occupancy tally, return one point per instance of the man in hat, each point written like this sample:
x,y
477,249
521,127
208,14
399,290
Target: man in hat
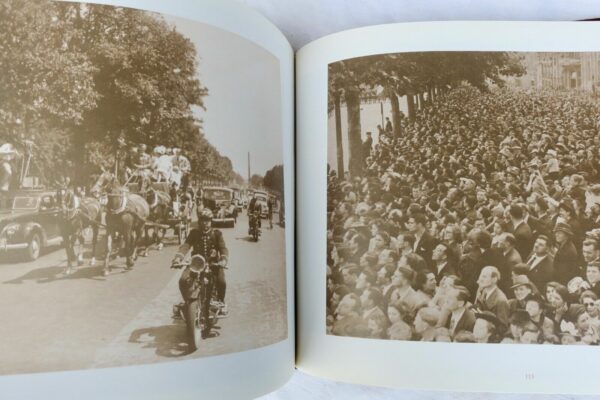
x,y
565,259
522,287
208,243
541,262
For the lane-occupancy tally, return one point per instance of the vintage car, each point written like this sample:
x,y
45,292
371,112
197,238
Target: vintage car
x,y
29,222
237,199
261,200
220,201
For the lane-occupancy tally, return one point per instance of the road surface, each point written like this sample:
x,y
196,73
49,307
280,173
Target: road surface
x,y
53,322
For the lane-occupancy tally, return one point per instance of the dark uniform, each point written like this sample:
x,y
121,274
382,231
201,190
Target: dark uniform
x,y
211,246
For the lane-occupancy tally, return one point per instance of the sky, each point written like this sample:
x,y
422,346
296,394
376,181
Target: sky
x,y
243,107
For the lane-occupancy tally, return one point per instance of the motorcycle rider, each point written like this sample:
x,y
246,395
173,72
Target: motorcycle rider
x,y
209,244
253,214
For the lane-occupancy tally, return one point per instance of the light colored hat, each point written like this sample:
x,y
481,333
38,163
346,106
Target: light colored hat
x,y
160,150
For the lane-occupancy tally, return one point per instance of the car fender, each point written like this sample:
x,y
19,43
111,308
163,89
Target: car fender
x,y
33,227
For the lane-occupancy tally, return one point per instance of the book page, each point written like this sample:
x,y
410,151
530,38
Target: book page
x,y
146,201
449,239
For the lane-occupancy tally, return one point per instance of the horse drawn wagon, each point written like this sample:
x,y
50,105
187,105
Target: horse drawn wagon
x,y
170,208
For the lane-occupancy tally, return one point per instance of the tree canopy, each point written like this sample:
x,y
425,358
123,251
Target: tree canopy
x,y
418,76
273,179
75,77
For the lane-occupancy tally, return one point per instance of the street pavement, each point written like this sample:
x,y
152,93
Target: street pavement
x,y
52,321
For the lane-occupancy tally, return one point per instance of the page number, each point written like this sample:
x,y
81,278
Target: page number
x,y
529,376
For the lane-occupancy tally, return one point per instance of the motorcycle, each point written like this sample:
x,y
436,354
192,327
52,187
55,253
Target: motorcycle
x,y
254,225
201,310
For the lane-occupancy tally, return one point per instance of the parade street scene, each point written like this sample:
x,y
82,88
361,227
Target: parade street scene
x,y
464,198
141,220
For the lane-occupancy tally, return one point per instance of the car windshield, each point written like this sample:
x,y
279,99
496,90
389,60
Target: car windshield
x,y
260,197
25,203
217,194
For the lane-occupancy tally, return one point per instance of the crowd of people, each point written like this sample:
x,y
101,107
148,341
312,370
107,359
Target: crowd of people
x,y
479,223
163,165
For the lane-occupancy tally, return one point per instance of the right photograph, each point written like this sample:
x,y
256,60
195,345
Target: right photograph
x,y
463,197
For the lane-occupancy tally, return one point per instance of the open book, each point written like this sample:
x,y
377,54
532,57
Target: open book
x,y
152,156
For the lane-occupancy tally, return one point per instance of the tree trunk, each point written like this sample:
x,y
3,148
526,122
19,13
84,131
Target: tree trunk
x,y
421,101
355,160
338,135
396,120
411,106
430,97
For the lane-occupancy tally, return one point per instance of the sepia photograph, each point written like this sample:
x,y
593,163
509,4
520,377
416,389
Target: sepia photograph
x,y
141,189
463,197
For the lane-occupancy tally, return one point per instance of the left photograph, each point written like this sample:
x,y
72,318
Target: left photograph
x,y
141,189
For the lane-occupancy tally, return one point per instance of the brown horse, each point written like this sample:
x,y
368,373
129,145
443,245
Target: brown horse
x,y
160,207
126,215
75,218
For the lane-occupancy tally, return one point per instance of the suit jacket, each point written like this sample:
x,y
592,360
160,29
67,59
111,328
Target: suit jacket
x,y
449,269
539,226
524,240
496,302
424,247
469,269
465,323
565,263
513,258
541,272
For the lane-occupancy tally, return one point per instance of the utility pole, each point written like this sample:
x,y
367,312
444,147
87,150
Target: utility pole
x,y
249,168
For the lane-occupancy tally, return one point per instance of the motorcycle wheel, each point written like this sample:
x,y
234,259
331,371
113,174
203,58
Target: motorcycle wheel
x,y
255,234
194,325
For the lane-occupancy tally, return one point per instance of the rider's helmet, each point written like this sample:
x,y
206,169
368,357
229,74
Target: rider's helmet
x,y
205,215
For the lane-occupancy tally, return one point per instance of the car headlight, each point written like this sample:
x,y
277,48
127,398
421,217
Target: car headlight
x,y
10,230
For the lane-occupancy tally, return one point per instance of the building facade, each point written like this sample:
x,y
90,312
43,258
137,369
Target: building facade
x,y
561,71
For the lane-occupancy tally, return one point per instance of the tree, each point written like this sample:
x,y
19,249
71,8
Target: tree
x,y
256,181
273,179
45,89
75,77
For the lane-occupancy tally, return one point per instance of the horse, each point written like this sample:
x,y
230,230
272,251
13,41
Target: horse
x,y
75,218
126,215
160,207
